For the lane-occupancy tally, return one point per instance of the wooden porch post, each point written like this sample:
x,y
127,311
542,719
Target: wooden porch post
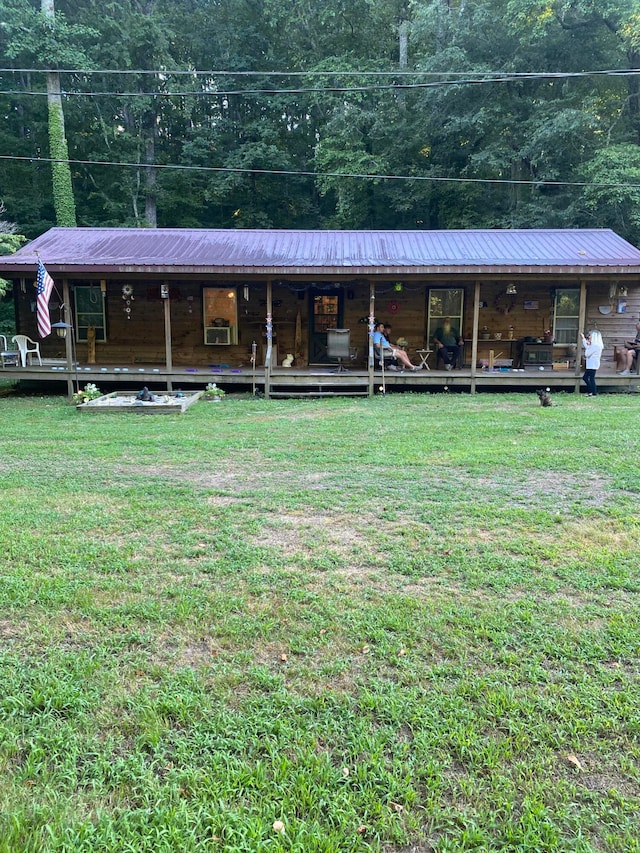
x,y
267,360
474,339
370,357
582,322
69,338
164,292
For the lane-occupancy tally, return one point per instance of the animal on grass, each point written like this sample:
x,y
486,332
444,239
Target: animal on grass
x,y
545,397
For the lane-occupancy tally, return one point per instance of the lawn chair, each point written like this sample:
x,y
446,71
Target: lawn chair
x,y
27,352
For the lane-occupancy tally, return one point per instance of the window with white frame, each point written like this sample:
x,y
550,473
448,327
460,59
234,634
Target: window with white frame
x,y
444,302
566,313
90,311
220,312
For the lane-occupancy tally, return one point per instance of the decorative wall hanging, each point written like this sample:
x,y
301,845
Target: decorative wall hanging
x,y
505,302
393,307
127,295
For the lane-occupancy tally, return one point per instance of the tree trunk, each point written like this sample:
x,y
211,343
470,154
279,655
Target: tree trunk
x,y
150,210
63,200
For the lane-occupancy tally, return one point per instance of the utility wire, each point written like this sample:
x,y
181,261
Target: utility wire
x,y
164,72
540,184
458,81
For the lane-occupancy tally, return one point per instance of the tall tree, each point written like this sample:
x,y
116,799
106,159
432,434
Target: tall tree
x,y
61,173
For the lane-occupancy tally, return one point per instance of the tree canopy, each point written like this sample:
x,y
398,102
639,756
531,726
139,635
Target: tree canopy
x,y
327,113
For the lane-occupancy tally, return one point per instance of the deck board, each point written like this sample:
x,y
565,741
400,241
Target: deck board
x,y
301,378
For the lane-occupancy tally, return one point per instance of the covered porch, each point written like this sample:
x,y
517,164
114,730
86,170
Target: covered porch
x,y
256,310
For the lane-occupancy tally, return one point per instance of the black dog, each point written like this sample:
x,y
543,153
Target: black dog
x,y
545,397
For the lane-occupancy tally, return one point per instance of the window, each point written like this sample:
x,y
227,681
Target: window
x,y
444,302
220,311
566,315
89,303
326,310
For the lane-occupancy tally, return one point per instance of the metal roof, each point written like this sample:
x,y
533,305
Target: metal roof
x,y
169,251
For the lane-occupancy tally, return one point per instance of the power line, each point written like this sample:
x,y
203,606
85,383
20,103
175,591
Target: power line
x,y
494,77
539,184
336,73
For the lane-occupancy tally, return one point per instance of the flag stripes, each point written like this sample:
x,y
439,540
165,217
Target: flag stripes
x,y
44,285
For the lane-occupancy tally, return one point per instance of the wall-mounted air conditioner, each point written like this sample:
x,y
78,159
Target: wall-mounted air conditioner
x,y
217,335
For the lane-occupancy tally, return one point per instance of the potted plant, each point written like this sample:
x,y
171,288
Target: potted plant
x,y
213,392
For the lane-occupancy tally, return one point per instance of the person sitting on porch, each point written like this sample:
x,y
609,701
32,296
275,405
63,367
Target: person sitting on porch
x,y
391,362
380,344
628,353
449,344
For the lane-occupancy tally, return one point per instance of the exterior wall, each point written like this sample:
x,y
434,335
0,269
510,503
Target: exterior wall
x,y
141,339
617,326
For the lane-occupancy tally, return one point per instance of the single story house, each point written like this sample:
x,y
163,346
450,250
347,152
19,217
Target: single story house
x,y
183,306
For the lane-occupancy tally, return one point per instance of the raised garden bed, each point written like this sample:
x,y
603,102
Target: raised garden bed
x,y
170,402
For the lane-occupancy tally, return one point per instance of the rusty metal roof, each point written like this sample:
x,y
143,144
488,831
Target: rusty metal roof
x,y
168,251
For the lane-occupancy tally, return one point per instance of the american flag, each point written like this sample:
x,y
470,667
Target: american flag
x,y
44,286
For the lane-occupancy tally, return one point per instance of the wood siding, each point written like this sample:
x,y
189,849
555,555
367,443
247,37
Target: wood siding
x,y
140,339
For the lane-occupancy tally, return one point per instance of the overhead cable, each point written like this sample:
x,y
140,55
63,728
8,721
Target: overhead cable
x,y
390,73
539,184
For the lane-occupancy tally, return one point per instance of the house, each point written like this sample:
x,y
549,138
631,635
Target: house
x,y
181,304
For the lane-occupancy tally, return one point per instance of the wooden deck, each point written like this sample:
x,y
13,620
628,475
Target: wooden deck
x,y
312,381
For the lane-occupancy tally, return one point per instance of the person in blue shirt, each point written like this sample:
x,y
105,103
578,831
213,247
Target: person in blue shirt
x,y
380,344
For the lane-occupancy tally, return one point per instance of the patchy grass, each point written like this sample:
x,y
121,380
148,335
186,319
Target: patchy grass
x,y
399,624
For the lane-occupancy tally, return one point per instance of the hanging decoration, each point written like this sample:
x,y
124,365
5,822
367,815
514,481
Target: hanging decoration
x,y
127,295
393,307
505,302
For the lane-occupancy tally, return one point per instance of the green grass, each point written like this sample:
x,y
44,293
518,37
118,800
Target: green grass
x,y
399,624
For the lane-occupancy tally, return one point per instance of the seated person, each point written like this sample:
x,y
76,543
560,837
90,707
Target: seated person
x,y
381,344
448,345
400,344
391,363
630,351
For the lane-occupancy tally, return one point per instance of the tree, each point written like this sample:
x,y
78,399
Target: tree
x,y
61,174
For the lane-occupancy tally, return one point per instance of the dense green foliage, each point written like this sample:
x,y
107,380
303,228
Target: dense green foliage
x,y
473,124
424,640
63,199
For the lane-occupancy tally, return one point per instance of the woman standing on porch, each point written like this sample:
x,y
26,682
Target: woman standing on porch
x,y
593,347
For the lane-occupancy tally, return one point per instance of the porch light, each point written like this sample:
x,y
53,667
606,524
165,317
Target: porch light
x,y
61,329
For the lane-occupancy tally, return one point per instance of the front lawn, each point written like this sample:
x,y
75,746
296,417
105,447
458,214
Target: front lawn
x,y
392,624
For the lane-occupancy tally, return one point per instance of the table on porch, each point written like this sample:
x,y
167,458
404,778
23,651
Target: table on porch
x,y
423,355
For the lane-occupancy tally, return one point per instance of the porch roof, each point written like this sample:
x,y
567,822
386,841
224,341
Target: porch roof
x,y
174,251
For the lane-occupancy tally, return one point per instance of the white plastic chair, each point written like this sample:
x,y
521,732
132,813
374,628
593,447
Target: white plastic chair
x,y
27,352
